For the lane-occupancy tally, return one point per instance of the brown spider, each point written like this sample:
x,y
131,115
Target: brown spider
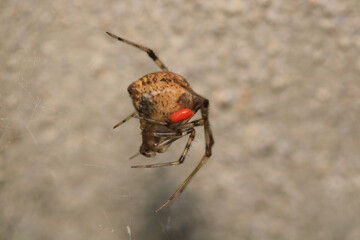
x,y
164,103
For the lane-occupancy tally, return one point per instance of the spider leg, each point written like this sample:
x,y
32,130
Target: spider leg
x,y
173,136
182,157
126,119
134,156
193,124
177,193
151,120
150,52
134,115
177,134
209,140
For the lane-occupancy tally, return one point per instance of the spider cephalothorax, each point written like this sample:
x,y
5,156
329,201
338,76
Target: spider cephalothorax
x,y
165,103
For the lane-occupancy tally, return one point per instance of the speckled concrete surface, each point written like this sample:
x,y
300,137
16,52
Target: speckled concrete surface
x,y
283,82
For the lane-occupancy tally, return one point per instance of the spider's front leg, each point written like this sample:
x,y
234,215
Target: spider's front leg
x,y
125,120
171,137
209,140
150,52
134,115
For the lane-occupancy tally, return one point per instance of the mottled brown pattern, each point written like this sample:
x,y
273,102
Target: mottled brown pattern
x,y
158,95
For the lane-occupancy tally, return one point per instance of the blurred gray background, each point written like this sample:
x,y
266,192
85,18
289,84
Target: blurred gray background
x,y
283,82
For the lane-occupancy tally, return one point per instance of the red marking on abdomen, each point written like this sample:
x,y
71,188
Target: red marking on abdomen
x,y
181,115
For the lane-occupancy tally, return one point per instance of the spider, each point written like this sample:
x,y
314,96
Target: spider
x,y
164,103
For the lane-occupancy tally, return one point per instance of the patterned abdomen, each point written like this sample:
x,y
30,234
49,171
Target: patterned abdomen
x,y
158,95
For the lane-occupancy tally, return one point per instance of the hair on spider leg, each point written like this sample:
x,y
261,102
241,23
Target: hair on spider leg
x,y
164,104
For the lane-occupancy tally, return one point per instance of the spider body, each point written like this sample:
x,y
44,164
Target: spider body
x,y
158,95
164,103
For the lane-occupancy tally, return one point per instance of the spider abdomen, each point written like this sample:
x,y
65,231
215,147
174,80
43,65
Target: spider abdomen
x,y
158,95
